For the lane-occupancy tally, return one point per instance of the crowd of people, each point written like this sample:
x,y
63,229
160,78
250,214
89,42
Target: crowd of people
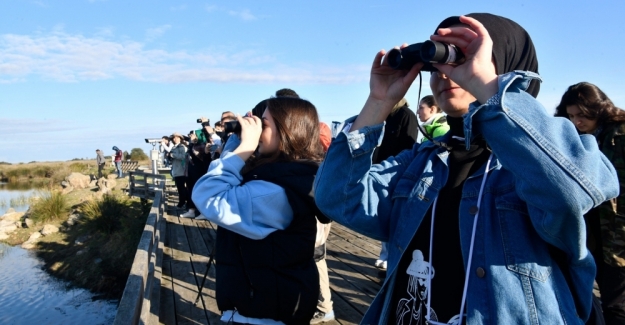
x,y
501,214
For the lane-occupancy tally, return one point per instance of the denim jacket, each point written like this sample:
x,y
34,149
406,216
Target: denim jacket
x,y
541,181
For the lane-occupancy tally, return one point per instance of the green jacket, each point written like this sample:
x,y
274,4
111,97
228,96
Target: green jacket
x,y
612,212
437,128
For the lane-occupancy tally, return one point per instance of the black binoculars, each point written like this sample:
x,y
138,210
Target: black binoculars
x,y
427,52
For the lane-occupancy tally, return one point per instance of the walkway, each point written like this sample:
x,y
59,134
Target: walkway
x,y
188,243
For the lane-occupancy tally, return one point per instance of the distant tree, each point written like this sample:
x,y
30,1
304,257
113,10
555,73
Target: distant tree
x,y
138,154
4,163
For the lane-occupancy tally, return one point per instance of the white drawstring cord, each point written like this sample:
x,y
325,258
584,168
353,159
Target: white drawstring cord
x,y
468,270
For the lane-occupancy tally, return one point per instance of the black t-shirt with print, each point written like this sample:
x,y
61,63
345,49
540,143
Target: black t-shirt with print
x,y
409,301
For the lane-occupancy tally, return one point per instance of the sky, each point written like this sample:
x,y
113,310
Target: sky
x,y
76,76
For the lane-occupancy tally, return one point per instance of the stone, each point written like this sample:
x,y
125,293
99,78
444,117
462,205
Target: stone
x,y
3,236
73,219
65,184
28,223
34,236
67,190
97,261
49,229
78,180
32,241
10,210
14,216
8,228
106,185
93,183
111,176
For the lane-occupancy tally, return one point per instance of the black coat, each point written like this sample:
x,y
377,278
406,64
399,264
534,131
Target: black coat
x,y
275,277
400,133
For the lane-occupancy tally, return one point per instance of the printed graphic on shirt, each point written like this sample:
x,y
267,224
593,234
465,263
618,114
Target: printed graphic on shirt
x,y
414,310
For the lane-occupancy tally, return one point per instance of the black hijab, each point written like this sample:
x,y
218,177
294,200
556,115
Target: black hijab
x,y
512,46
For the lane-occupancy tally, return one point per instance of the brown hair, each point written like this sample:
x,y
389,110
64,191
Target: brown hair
x,y
297,124
593,103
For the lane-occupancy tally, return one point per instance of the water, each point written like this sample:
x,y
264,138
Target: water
x,y
29,295
10,198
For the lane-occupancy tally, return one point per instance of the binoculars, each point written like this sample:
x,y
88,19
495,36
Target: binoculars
x,y
427,52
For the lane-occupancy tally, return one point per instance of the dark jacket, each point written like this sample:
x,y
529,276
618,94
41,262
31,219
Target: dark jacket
x,y
275,277
400,133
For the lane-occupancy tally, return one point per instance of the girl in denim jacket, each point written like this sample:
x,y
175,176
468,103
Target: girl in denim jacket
x,y
484,226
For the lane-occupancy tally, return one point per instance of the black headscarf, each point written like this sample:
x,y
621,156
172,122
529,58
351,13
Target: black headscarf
x,y
512,46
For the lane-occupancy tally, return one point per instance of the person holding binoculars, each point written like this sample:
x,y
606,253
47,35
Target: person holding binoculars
x,y
265,270
485,224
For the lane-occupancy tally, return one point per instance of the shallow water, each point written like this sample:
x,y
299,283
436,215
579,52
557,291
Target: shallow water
x,y
28,295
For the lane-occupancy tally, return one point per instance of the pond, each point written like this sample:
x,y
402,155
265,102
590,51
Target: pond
x,y
29,295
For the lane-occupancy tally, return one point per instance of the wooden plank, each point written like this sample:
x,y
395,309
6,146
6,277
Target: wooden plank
x,y
167,311
355,258
365,243
184,277
344,312
354,279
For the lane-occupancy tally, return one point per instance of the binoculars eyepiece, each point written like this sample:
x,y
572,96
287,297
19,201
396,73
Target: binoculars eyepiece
x,y
427,52
232,126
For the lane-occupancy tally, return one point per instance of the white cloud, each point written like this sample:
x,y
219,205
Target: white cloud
x,y
210,8
244,14
154,33
64,57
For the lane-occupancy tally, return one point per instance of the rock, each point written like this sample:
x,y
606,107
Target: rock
x,y
67,190
82,251
78,180
49,229
97,261
9,211
13,216
106,185
32,241
34,236
93,183
28,223
65,184
73,219
111,176
3,236
8,228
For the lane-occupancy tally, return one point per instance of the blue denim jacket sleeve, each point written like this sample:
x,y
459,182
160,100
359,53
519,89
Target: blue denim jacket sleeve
x,y
559,174
352,191
254,209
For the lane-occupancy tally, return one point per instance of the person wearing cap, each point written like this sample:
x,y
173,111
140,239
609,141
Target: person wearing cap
x,y
118,161
178,155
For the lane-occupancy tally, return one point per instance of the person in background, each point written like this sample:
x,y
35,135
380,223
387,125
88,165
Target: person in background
x,y
432,117
593,113
118,161
100,161
324,312
400,133
286,92
178,155
164,148
485,224
265,270
197,166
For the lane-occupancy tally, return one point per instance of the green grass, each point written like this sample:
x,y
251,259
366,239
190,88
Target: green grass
x,y
109,229
51,205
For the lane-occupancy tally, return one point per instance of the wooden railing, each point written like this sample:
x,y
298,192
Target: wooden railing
x,y
141,184
141,297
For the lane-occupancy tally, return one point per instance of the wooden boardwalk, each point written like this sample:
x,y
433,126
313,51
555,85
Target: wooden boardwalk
x,y
354,281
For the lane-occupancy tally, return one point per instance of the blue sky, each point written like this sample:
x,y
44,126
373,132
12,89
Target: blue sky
x,y
80,75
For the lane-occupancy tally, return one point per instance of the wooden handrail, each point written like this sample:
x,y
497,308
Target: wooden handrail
x,y
141,297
